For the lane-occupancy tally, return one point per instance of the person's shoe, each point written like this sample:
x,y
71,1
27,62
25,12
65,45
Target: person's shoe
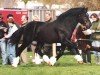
x,y
15,62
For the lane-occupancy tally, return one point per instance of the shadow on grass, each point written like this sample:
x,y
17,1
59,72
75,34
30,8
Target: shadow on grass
x,y
56,65
71,64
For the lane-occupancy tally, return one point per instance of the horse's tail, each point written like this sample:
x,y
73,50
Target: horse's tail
x,y
16,36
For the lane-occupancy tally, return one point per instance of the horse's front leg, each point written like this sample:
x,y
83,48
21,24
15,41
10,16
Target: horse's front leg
x,y
38,51
56,56
77,54
73,47
61,51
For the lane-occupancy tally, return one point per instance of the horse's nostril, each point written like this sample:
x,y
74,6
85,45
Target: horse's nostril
x,y
84,29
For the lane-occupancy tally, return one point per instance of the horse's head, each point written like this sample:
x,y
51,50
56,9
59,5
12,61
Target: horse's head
x,y
83,18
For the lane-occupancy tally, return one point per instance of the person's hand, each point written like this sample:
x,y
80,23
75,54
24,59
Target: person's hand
x,y
88,46
5,37
5,29
92,31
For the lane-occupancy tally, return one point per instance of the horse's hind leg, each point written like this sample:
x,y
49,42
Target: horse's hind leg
x,y
18,52
38,48
20,49
25,43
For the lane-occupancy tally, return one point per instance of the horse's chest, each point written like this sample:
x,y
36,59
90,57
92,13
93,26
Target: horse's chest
x,y
47,36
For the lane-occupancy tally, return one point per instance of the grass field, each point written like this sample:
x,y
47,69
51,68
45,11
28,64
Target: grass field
x,y
66,65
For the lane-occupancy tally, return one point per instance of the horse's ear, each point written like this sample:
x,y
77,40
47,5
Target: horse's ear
x,y
86,9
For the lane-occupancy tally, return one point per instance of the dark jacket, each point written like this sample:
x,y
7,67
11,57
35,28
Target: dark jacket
x,y
2,27
96,27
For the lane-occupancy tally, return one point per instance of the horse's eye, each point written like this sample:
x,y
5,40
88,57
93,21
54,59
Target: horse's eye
x,y
79,15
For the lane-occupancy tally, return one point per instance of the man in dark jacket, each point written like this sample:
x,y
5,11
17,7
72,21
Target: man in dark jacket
x,y
3,27
3,30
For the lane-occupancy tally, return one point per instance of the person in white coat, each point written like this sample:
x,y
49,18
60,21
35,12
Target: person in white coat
x,y
12,27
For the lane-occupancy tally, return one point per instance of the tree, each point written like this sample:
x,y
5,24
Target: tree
x,y
1,3
50,2
25,1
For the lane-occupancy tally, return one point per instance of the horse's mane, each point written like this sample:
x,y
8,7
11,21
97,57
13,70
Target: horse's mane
x,y
72,12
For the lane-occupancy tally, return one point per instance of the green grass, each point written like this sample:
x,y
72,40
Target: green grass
x,y
66,65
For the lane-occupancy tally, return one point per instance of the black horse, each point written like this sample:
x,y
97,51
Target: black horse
x,y
58,31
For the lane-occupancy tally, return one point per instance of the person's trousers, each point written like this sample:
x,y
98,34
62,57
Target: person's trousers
x,y
11,53
86,56
24,58
3,51
97,56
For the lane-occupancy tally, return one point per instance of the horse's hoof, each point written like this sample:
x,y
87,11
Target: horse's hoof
x,y
46,59
48,63
52,61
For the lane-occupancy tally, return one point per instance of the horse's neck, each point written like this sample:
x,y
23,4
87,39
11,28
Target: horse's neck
x,y
80,34
72,23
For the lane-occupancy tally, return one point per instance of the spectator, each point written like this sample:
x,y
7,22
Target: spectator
x,y
34,43
84,45
36,18
86,54
96,36
23,56
24,20
3,30
11,48
48,47
48,17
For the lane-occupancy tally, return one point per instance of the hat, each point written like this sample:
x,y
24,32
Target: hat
x,y
9,15
1,16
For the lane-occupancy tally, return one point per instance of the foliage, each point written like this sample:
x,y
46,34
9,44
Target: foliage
x,y
91,4
53,1
25,1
